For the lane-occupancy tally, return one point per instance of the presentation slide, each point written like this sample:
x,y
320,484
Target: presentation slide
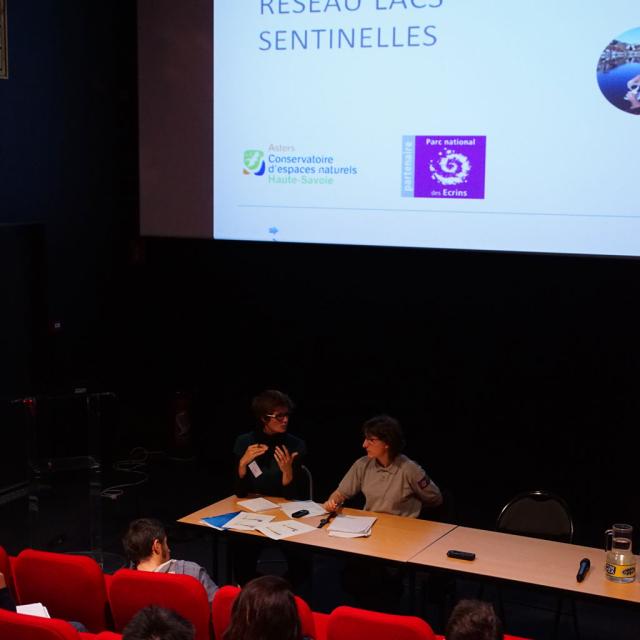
x,y
501,125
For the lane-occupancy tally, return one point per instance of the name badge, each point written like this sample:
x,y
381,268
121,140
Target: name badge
x,y
255,469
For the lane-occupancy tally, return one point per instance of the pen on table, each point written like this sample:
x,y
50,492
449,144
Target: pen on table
x,y
585,564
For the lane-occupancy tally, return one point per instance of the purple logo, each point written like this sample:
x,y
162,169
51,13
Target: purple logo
x,y
446,167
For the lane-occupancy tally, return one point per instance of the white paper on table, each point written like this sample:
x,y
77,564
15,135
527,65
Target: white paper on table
x,y
345,534
312,507
258,504
33,609
352,524
247,521
285,529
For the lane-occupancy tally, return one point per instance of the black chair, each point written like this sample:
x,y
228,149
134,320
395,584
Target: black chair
x,y
539,514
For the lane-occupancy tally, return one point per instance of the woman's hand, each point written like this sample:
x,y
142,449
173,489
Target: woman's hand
x,y
284,459
252,452
335,502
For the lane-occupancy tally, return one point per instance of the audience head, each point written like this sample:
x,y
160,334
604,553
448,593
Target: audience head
x,y
145,538
473,620
268,403
386,429
265,609
157,623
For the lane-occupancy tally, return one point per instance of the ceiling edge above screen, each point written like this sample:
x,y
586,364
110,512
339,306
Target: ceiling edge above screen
x,y
175,69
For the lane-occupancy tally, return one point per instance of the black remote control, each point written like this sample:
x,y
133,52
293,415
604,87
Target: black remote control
x,y
461,555
299,514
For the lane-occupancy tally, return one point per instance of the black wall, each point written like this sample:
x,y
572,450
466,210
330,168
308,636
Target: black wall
x,y
68,198
68,161
509,372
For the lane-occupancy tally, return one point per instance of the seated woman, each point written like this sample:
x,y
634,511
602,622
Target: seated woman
x,y
268,462
390,482
268,459
264,610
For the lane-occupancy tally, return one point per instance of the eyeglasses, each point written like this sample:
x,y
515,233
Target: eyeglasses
x,y
371,439
280,417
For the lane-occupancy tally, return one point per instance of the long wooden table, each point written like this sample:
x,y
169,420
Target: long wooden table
x,y
422,544
526,560
393,538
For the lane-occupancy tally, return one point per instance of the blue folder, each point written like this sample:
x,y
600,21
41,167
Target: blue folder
x,y
218,522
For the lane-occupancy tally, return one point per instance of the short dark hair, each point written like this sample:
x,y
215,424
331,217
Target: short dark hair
x,y
139,539
473,620
266,401
265,609
388,430
157,623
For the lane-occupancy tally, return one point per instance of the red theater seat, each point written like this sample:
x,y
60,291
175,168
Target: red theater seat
x,y
346,623
7,571
17,626
132,590
223,603
70,586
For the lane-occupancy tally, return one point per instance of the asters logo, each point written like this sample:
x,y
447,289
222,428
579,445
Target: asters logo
x,y
253,162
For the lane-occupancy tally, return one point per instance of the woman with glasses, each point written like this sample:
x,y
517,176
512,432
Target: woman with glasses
x,y
268,458
268,462
390,482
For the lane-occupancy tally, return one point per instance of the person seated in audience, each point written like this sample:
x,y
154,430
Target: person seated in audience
x,y
6,599
390,482
473,620
157,623
146,547
265,609
268,458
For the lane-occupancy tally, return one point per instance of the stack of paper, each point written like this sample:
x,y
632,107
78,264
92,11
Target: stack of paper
x,y
312,507
285,529
258,504
351,526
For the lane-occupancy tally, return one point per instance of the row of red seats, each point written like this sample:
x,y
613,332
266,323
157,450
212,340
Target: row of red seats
x,y
344,623
73,587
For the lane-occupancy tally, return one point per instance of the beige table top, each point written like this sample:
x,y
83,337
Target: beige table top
x,y
527,560
393,538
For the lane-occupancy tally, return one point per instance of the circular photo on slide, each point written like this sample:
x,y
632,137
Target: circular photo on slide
x,y
619,72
